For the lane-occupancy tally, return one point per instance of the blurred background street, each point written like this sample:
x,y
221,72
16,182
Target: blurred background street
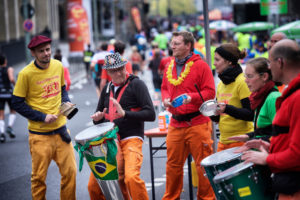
x,y
145,26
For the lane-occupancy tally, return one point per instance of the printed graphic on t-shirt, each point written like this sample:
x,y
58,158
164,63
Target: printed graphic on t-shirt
x,y
50,86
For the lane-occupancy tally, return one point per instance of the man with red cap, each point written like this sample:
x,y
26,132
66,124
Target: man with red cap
x,y
38,94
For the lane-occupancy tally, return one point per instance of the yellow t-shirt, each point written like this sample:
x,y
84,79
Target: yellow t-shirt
x,y
232,94
41,89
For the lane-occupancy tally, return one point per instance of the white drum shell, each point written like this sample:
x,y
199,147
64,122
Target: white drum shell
x,y
93,132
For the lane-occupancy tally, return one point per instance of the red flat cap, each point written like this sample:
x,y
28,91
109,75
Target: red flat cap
x,y
38,40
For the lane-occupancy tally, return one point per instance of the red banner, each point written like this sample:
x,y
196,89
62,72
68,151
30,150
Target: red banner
x,y
78,26
136,18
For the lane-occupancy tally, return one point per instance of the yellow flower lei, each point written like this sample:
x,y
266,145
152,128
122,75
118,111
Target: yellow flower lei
x,y
182,76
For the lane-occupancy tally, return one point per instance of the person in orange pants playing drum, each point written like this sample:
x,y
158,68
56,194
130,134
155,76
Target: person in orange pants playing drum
x,y
189,131
125,101
282,154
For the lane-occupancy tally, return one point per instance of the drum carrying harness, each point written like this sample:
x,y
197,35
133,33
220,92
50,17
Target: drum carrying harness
x,y
112,115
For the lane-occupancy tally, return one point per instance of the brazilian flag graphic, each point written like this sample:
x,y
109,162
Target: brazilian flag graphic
x,y
101,169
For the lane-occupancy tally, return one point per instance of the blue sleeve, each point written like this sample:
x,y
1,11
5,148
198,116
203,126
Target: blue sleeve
x,y
19,105
64,94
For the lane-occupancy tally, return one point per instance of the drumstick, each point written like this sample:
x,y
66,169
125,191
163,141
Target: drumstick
x,y
199,91
59,114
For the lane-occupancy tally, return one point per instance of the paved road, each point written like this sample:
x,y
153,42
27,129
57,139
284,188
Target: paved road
x,y
15,165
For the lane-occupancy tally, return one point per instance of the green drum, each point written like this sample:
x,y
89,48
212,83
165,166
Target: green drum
x,y
245,181
218,162
96,144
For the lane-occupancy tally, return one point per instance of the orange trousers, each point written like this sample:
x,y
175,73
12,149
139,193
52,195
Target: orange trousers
x,y
129,159
295,196
180,142
222,146
43,149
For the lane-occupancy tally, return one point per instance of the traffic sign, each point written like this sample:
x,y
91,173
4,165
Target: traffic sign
x,y
28,25
30,11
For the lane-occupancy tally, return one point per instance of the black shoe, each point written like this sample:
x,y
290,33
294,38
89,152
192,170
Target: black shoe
x,y
2,138
10,132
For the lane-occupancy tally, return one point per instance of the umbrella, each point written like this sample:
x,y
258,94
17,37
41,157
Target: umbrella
x,y
221,25
253,26
292,30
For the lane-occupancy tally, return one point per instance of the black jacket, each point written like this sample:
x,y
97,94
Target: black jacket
x,y
135,96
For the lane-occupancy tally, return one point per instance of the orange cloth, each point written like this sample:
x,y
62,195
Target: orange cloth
x,y
94,189
280,88
129,159
295,196
222,147
105,76
180,142
67,78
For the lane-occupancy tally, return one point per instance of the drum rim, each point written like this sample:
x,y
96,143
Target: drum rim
x,y
237,155
88,139
220,177
204,103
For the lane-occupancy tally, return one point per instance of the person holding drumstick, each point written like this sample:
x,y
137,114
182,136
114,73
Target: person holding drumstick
x,y
189,131
282,154
39,92
262,99
126,101
234,114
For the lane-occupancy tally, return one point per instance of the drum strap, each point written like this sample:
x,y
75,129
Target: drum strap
x,y
112,115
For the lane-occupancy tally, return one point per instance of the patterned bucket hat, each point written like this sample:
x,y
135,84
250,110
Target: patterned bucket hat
x,y
113,61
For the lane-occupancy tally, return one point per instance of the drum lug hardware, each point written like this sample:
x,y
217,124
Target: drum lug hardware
x,y
229,188
220,191
254,177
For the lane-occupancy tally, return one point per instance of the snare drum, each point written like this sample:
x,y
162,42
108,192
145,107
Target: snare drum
x,y
245,181
97,145
218,162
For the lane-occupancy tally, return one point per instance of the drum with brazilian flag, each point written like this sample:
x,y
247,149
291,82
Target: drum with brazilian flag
x,y
97,145
101,168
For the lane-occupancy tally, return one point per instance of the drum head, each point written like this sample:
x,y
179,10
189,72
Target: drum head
x,y
94,131
208,108
232,172
221,157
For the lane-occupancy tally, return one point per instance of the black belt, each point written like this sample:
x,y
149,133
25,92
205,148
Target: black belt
x,y
59,130
186,117
62,131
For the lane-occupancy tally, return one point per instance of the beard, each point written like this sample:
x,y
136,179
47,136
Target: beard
x,y
44,61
